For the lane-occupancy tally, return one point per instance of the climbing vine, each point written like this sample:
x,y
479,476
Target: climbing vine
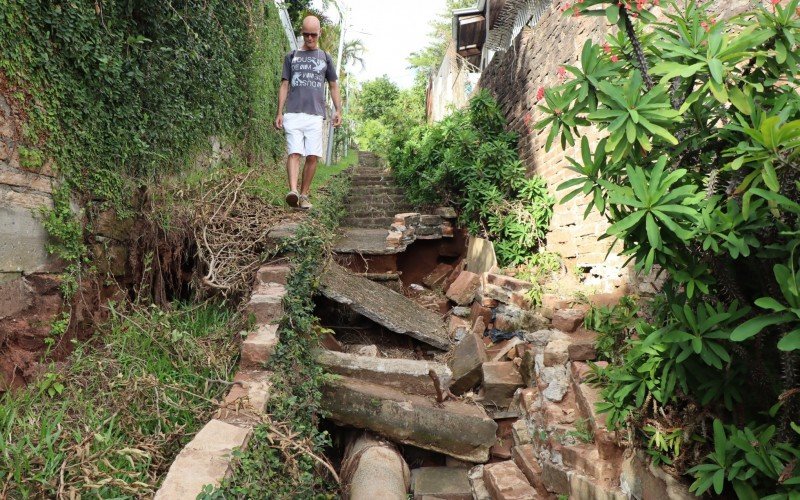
x,y
271,467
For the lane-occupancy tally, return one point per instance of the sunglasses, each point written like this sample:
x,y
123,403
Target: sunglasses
x,y
312,35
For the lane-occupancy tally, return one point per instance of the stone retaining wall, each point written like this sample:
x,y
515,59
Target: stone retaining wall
x,y
514,78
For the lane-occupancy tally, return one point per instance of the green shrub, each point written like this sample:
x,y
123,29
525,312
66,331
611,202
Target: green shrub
x,y
470,161
697,174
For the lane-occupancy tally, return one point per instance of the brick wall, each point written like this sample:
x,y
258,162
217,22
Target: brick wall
x,y
514,77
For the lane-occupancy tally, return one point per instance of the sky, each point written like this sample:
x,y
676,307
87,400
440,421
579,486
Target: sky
x,y
391,31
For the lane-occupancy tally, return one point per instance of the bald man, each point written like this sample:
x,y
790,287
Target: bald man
x,y
302,93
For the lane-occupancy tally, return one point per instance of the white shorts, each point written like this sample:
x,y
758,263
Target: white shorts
x,y
303,133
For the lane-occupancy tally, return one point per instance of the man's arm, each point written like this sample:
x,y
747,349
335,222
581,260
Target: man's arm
x,y
283,91
337,102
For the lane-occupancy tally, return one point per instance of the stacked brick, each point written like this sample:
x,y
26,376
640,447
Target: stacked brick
x,y
410,226
208,458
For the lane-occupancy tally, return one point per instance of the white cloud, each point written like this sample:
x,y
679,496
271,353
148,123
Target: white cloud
x,y
391,30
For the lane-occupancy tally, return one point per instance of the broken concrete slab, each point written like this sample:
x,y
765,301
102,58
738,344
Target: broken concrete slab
x,y
505,481
500,380
554,478
364,241
465,365
383,306
463,289
407,375
445,483
457,429
375,469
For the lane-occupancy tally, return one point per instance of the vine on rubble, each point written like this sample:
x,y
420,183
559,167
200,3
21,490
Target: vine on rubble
x,y
697,173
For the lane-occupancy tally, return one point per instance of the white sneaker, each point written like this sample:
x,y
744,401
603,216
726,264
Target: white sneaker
x,y
304,203
291,199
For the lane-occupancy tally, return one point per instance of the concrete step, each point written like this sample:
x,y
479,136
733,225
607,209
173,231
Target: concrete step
x,y
368,222
376,190
395,208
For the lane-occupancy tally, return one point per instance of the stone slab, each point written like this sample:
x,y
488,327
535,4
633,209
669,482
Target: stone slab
x,y
23,242
205,460
407,375
364,241
463,289
15,295
480,255
247,398
383,306
447,483
275,273
457,429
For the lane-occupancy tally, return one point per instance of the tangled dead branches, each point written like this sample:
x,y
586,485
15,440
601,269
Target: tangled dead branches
x,y
208,239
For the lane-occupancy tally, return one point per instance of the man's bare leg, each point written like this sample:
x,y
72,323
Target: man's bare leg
x,y
309,169
293,170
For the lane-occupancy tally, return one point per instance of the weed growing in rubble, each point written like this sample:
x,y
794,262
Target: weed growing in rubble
x,y
614,326
696,170
109,424
272,466
470,161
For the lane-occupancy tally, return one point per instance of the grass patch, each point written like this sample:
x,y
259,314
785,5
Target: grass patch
x,y
110,423
326,172
269,468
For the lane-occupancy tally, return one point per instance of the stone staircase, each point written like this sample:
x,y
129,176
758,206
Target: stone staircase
x,y
374,197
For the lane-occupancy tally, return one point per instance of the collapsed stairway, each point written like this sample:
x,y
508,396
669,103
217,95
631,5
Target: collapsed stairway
x,y
458,389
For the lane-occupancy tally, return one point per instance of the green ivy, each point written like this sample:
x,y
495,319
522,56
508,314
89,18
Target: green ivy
x,y
119,93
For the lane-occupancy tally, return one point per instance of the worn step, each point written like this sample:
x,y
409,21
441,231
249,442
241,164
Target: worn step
x,y
376,191
365,222
376,198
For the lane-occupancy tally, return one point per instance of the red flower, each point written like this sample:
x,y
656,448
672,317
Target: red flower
x,y
656,2
775,2
539,94
606,48
704,25
614,58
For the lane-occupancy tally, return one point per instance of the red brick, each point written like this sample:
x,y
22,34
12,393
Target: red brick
x,y
273,274
438,276
509,283
505,481
525,458
463,289
568,320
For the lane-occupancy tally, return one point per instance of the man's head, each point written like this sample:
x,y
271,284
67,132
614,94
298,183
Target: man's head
x,y
311,31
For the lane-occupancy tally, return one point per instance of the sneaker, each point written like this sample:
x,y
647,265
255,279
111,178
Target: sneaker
x,y
292,199
304,203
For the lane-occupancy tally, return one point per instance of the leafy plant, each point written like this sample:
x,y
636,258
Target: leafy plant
x,y
470,161
695,169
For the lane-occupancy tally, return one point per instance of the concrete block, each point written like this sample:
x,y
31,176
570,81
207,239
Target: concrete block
x,y
480,255
205,460
266,303
500,380
446,483
555,479
273,274
465,365
258,347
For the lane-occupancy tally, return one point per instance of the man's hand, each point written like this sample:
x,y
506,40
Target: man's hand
x,y
337,119
279,122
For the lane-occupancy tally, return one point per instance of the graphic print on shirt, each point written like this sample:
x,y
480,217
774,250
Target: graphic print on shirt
x,y
308,71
